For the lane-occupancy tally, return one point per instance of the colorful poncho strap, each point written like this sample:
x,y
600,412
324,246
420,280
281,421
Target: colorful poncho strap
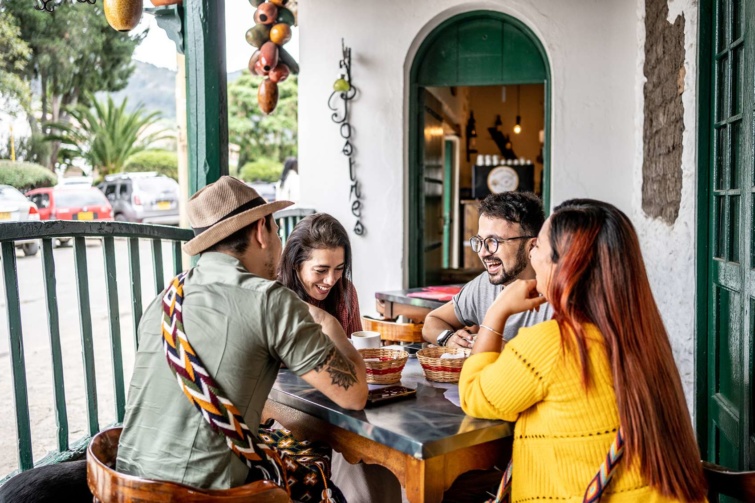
x,y
205,394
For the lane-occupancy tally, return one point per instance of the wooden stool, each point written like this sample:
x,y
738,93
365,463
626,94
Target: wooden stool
x,y
109,486
721,481
393,331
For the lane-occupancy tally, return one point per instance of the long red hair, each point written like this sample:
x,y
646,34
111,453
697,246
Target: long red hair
x,y
599,277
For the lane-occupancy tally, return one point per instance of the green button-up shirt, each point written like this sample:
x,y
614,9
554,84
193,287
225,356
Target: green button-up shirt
x,y
242,327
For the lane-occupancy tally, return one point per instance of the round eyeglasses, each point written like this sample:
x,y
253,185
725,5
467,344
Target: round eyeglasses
x,y
491,243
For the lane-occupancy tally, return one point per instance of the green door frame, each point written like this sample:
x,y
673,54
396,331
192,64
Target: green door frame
x,y
414,186
448,164
704,123
725,318
206,91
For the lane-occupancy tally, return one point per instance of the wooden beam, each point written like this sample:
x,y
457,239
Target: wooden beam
x,y
206,91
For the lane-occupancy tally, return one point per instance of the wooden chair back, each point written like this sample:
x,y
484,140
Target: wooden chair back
x,y
109,486
392,331
721,481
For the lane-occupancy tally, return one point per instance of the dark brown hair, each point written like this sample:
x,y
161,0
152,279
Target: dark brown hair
x,y
316,232
238,242
600,278
523,208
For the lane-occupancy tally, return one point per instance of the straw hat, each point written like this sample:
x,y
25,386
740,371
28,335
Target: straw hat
x,y
222,208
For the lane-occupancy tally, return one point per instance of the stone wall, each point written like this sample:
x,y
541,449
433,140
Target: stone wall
x,y
664,124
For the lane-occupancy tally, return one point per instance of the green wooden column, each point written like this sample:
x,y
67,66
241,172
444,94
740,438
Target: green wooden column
x,y
206,91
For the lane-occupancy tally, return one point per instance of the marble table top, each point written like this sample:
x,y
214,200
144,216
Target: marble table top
x,y
401,297
430,424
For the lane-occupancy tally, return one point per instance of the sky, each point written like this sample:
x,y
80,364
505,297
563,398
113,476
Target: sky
x,y
160,51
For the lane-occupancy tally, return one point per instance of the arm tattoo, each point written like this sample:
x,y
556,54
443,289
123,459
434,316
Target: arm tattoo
x,y
340,368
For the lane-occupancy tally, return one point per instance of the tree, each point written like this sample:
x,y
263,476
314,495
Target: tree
x,y
74,53
261,136
163,162
106,135
15,93
262,170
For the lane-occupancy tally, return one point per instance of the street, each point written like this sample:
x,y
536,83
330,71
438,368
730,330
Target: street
x,y
37,343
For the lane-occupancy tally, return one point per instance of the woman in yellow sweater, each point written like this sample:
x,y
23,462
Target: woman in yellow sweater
x,y
603,362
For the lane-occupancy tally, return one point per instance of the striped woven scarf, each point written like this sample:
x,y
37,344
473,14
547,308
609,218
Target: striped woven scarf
x,y
597,485
206,395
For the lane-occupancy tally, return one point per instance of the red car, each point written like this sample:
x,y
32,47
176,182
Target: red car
x,y
71,203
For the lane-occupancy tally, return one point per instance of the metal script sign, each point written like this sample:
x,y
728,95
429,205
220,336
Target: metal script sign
x,y
345,90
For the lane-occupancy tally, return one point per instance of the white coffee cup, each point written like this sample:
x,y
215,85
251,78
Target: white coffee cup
x,y
365,339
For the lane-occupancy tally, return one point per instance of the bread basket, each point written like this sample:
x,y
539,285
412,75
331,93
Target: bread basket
x,y
442,369
384,366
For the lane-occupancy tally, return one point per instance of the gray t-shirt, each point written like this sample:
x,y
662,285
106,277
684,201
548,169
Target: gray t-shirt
x,y
474,300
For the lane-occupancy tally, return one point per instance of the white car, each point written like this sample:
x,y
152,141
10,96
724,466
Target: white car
x,y
14,207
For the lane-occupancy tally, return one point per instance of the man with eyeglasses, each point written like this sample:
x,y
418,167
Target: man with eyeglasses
x,y
508,226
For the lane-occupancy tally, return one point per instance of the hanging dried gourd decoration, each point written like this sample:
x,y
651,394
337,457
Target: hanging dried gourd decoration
x,y
123,15
271,32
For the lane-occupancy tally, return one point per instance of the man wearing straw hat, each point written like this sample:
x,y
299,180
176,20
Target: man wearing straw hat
x,y
242,325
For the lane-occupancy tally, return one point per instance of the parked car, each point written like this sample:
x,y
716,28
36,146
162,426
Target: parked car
x,y
264,189
142,197
14,207
80,181
71,203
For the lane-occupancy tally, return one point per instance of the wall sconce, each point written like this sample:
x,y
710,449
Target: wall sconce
x,y
471,133
518,125
498,123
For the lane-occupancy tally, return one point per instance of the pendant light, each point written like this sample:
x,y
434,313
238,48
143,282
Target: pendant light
x,y
518,125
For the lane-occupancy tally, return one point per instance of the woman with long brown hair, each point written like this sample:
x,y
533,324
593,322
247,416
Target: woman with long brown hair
x,y
603,365
316,265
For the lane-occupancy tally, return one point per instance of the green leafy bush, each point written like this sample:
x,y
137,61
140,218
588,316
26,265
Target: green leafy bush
x,y
164,162
261,170
26,175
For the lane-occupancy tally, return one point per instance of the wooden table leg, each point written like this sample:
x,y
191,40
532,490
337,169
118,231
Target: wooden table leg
x,y
425,480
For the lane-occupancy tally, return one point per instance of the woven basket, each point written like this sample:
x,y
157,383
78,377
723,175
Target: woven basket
x,y
392,331
388,369
441,369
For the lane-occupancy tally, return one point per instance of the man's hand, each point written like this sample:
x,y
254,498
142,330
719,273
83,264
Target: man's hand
x,y
438,320
462,338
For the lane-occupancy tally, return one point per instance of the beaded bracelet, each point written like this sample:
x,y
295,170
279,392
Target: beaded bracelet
x,y
490,329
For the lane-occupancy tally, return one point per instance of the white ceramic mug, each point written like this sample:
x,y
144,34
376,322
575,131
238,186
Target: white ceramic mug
x,y
365,339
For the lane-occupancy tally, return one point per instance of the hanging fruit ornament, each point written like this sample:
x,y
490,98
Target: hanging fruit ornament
x,y
271,32
267,96
279,73
285,16
341,85
123,15
258,35
266,13
280,34
268,56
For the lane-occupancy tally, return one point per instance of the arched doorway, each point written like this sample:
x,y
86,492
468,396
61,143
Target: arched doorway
x,y
463,60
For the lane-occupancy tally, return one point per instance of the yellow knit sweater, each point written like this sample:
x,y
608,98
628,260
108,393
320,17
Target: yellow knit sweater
x,y
562,433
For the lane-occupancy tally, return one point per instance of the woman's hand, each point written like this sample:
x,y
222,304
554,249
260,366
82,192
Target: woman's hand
x,y
519,296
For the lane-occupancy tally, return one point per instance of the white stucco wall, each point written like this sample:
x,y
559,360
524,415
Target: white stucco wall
x,y
595,50
592,47
670,250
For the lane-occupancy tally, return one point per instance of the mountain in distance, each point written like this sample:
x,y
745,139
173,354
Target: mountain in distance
x,y
155,88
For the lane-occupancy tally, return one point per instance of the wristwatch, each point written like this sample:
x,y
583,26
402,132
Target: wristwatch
x,y
444,336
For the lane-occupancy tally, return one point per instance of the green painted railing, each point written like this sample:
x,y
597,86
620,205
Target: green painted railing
x,y
46,232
